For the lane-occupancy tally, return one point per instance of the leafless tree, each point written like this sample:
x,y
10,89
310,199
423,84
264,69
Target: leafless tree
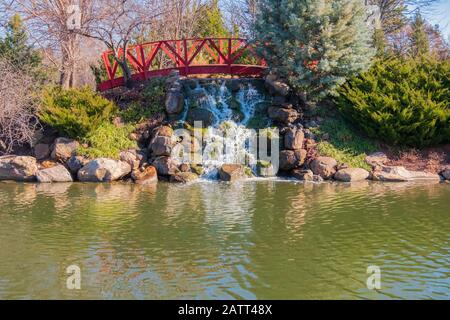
x,y
241,13
46,21
18,121
114,22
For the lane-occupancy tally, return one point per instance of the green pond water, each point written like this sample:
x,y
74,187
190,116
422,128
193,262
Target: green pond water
x,y
210,240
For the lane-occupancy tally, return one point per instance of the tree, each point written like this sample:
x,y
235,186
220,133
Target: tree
x,y
420,44
211,24
114,22
15,48
316,44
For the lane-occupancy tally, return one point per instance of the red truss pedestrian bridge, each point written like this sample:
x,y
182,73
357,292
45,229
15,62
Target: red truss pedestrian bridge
x,y
233,56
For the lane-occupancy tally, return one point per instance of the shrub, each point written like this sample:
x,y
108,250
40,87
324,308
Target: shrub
x,y
152,102
18,121
108,141
75,112
403,102
340,140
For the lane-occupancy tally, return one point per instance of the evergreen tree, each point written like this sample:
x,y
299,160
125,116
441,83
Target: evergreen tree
x,y
14,46
314,44
212,23
420,44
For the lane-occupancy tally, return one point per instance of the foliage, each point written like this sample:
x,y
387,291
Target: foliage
x,y
340,140
401,101
107,141
419,39
75,112
152,102
15,49
314,44
99,72
211,23
18,121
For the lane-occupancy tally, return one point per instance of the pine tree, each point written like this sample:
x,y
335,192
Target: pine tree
x,y
212,23
14,47
420,44
314,44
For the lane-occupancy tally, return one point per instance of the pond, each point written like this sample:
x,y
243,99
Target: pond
x,y
259,239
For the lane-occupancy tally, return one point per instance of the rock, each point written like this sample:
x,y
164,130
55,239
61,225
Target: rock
x,y
324,167
197,169
165,166
118,122
278,100
200,114
376,159
64,148
293,139
164,131
400,174
304,175
290,159
174,101
183,177
42,151
132,157
18,168
75,163
317,178
47,164
185,167
145,176
276,87
58,173
232,172
103,170
285,116
351,174
265,169
161,146
235,85
446,174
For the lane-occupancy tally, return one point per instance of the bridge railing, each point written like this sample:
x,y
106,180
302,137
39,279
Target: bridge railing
x,y
189,56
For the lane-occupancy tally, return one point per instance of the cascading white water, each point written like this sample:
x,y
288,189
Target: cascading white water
x,y
227,140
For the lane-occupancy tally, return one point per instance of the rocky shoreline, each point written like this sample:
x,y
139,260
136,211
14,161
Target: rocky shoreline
x,y
58,161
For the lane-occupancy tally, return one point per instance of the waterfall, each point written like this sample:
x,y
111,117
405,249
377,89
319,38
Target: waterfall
x,y
227,139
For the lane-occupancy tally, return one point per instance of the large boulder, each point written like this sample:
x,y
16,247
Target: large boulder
x,y
75,163
275,86
201,114
58,173
290,159
232,172
18,168
183,177
400,174
351,174
324,167
161,146
265,169
165,166
293,139
164,131
132,157
376,159
145,176
103,170
446,174
304,175
64,148
41,151
286,116
174,101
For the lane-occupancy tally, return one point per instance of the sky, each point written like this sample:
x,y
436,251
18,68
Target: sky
x,y
441,16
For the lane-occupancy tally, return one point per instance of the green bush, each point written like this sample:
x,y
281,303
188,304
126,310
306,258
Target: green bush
x,y
403,102
108,141
75,112
152,102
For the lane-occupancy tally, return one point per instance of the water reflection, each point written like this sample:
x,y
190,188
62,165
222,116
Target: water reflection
x,y
257,239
